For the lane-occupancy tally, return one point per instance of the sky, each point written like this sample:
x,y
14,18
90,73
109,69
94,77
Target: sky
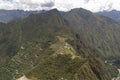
x,y
62,5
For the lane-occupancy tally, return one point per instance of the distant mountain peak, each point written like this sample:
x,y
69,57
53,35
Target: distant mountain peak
x,y
81,10
114,14
54,10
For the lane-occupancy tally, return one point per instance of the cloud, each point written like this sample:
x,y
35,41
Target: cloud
x,y
63,5
49,5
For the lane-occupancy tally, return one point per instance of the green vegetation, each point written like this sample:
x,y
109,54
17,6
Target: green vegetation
x,y
97,31
43,47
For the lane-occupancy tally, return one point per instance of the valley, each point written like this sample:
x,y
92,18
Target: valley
x,y
55,46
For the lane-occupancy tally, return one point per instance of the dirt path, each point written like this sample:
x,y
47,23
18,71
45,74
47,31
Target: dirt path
x,y
118,78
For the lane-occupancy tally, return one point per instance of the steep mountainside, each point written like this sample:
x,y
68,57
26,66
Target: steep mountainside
x,y
10,15
43,47
99,32
114,14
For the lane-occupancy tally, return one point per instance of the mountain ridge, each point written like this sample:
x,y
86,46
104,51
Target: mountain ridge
x,y
90,23
114,14
44,46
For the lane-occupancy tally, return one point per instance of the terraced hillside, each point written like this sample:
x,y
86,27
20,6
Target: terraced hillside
x,y
43,47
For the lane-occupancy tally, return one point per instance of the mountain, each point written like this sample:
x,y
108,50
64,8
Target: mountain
x,y
99,32
114,14
11,15
43,46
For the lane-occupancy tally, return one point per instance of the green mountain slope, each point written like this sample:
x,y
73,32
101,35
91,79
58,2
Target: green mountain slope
x,y
42,47
97,31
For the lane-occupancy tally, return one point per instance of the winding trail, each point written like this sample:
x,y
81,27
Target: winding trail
x,y
118,78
